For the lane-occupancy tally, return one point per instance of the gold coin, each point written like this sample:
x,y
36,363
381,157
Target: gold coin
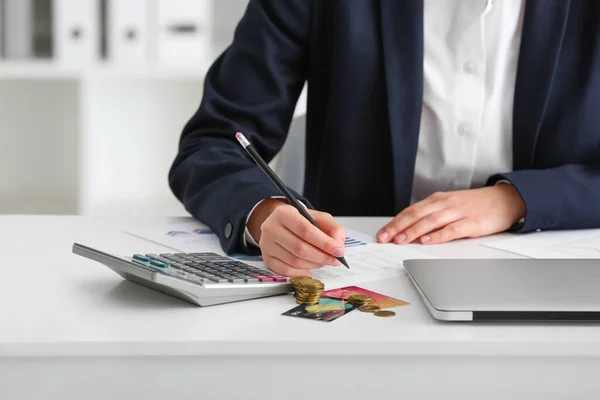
x,y
310,287
384,313
297,279
369,308
361,297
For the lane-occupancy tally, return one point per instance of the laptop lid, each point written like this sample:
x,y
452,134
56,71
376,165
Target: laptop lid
x,y
509,289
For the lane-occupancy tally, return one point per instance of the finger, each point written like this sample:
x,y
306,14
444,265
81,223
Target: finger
x,y
301,227
301,249
456,230
429,224
290,258
329,225
405,219
282,267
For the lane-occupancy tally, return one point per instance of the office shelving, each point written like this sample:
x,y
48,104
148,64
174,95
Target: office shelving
x,y
98,139
86,142
45,70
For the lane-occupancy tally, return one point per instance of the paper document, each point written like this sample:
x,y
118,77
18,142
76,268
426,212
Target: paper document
x,y
186,236
560,244
368,260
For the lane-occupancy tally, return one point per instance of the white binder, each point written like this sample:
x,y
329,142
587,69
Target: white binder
x,y
128,29
76,31
184,31
18,29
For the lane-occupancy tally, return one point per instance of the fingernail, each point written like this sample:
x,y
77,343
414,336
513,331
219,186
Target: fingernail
x,y
425,239
383,236
339,252
400,238
337,263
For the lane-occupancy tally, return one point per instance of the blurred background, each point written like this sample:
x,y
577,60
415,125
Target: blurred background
x,y
94,95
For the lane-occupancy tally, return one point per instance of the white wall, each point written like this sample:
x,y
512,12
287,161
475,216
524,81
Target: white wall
x,y
38,146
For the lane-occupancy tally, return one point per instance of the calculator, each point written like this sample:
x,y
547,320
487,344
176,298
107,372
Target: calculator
x,y
203,279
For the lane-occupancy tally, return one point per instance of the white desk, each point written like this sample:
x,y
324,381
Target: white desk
x,y
72,329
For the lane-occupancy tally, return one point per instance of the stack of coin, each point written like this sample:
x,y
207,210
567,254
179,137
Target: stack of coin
x,y
359,299
364,300
307,289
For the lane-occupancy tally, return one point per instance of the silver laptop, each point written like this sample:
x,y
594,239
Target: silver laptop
x,y
508,289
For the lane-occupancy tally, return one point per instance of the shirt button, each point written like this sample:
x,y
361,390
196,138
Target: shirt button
x,y
228,230
465,129
470,67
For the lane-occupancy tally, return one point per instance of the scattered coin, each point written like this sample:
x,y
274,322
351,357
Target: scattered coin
x,y
369,308
384,313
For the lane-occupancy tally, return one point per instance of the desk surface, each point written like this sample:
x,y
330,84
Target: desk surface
x,y
53,303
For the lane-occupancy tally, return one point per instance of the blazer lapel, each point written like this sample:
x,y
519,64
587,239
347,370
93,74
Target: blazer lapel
x,y
544,27
402,36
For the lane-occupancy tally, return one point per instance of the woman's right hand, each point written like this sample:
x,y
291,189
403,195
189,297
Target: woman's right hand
x,y
290,244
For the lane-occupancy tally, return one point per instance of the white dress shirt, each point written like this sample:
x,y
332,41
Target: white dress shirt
x,y
470,65
471,49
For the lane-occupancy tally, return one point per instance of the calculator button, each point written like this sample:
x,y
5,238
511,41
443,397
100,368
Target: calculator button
x,y
141,258
239,263
178,273
251,280
236,280
279,278
159,264
151,255
196,279
262,278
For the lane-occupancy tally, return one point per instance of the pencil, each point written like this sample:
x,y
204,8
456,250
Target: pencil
x,y
280,185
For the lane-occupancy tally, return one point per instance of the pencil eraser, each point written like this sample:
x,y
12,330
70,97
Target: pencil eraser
x,y
242,139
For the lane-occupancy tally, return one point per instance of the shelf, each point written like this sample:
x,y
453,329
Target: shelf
x,y
47,70
36,70
148,72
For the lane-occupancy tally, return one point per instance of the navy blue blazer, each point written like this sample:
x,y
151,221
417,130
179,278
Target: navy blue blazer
x,y
363,61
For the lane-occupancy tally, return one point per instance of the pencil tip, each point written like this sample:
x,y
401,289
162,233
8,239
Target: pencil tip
x,y
343,261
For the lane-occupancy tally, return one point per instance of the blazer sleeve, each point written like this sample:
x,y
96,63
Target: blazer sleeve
x,y
252,88
565,197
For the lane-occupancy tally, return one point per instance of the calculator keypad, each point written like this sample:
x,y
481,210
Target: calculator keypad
x,y
207,268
